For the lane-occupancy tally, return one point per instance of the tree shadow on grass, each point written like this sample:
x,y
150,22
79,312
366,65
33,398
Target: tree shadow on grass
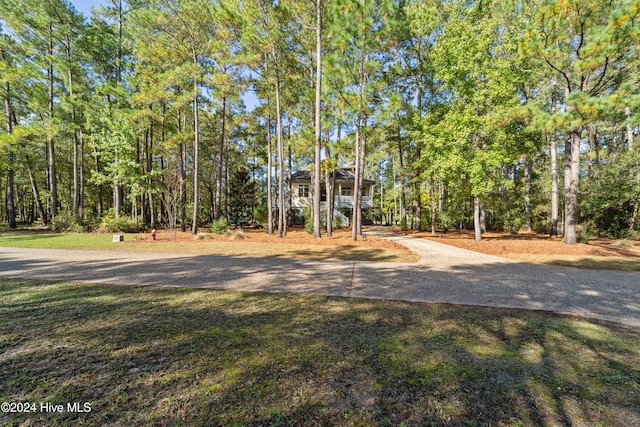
x,y
170,356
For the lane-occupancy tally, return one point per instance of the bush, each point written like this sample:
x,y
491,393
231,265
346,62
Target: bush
x,y
445,221
122,224
220,226
261,214
308,219
585,232
67,222
513,221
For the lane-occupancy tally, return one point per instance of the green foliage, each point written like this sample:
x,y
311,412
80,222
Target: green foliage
x,y
337,222
65,221
220,226
260,214
585,232
371,216
241,198
308,219
111,224
513,221
445,221
446,95
611,193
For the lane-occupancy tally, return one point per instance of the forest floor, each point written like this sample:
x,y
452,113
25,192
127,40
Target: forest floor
x,y
601,253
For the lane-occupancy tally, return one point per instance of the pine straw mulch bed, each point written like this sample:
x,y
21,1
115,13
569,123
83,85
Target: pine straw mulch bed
x,y
540,248
296,243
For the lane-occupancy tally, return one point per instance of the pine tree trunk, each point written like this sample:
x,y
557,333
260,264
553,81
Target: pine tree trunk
x,y
571,180
35,190
554,185
318,123
432,197
282,225
53,182
182,155
269,184
196,155
418,205
289,171
360,178
11,207
81,194
218,200
99,189
476,218
403,196
356,185
149,161
527,193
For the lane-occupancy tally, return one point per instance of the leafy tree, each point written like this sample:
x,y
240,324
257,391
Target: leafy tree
x,y
587,46
242,198
612,196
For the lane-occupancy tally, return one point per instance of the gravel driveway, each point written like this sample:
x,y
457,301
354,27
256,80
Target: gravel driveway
x,y
444,274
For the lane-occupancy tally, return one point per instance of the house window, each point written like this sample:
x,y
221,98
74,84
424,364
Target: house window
x,y
303,190
365,192
346,191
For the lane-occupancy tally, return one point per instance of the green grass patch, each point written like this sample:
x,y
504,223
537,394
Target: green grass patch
x,y
240,247
53,240
176,356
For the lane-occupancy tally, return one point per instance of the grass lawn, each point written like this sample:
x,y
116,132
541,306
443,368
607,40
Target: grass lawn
x,y
175,356
256,244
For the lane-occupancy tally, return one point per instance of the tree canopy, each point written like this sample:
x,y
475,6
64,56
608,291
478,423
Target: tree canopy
x,y
460,111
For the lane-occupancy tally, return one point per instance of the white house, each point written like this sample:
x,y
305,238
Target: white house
x,y
344,187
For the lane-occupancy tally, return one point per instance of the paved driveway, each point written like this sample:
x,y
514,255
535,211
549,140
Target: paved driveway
x,y
443,274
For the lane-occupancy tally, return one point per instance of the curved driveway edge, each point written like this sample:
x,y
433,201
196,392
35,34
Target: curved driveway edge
x,y
443,274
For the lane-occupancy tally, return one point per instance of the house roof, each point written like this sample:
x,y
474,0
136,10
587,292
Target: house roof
x,y
342,175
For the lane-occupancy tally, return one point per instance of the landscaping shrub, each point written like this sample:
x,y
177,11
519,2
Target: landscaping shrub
x,y
585,232
513,221
123,224
445,221
337,221
65,221
220,226
308,219
261,214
